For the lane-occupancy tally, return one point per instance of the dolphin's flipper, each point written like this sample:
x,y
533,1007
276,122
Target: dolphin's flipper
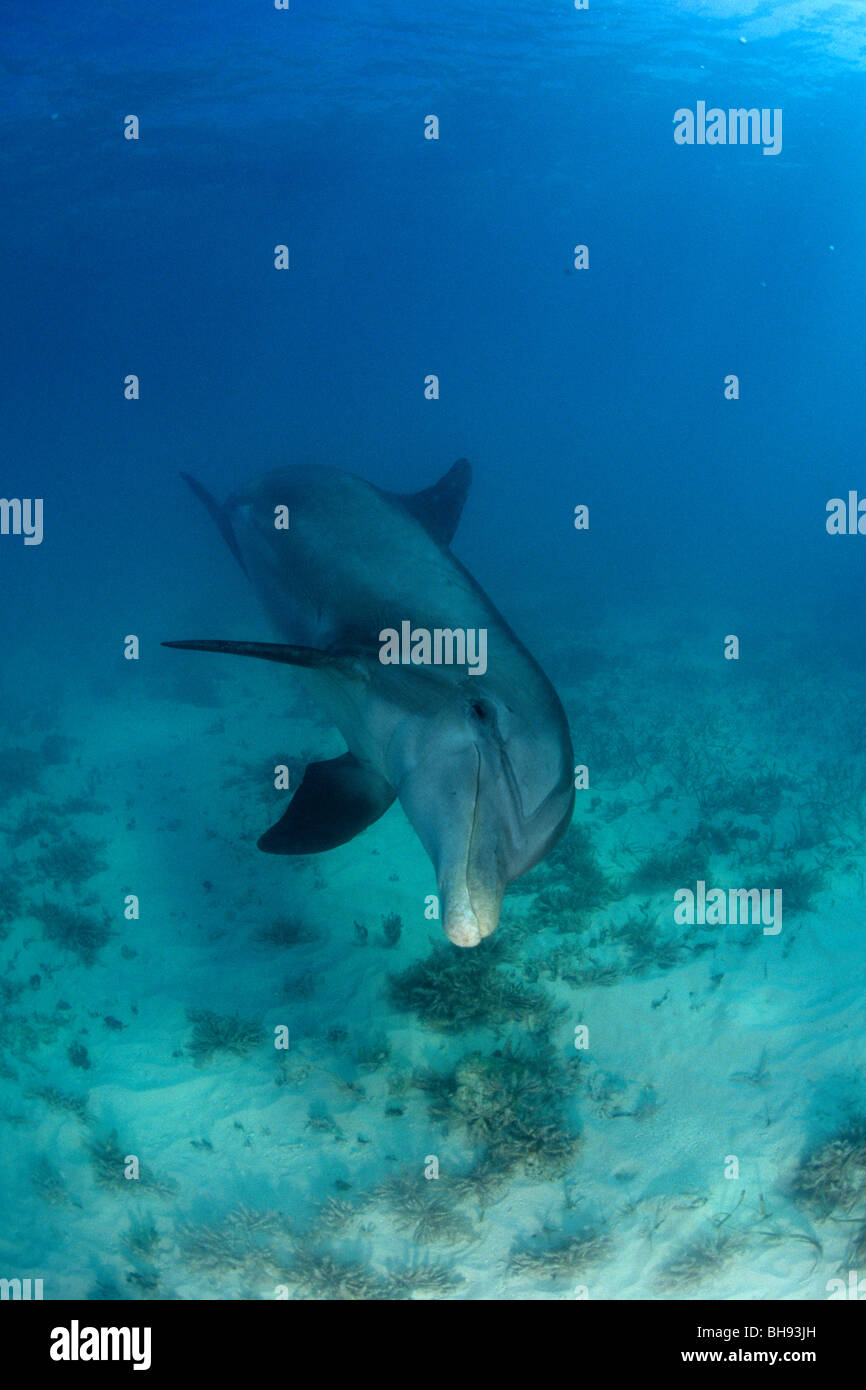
x,y
220,516
438,508
334,803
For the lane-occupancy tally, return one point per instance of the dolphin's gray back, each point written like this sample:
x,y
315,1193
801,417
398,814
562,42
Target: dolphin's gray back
x,y
355,561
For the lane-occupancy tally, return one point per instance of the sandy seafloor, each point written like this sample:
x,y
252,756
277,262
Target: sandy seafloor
x,y
305,1169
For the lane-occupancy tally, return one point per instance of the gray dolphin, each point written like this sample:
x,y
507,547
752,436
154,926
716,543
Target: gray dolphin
x,y
481,763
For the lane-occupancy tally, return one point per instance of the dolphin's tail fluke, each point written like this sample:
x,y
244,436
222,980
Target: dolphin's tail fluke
x,y
220,516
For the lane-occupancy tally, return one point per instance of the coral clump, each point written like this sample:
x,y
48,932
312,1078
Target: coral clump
x,y
213,1033
286,931
426,1209
560,1255
317,1274
453,990
72,860
508,1104
572,881
422,1280
80,932
832,1178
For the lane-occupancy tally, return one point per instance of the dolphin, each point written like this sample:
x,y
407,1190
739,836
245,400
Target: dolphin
x,y
480,760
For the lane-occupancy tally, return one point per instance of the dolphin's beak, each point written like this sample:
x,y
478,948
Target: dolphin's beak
x,y
461,824
468,915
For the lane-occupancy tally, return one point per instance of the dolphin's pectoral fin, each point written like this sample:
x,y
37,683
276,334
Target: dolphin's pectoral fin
x,y
270,651
220,516
438,508
335,802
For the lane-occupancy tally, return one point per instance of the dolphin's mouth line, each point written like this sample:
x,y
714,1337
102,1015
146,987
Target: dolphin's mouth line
x,y
482,709
474,831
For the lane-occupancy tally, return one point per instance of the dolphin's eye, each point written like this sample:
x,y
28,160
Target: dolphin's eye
x,y
483,712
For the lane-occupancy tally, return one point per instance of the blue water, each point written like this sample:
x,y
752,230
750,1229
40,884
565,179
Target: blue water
x,y
603,387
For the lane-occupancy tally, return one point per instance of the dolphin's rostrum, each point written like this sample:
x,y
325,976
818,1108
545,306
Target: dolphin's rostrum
x,y
481,763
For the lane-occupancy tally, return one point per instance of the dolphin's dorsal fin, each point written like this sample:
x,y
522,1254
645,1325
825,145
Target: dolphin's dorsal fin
x,y
334,803
438,508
